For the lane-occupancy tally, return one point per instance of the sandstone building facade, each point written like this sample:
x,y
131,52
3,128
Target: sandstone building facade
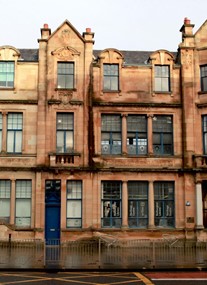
x,y
103,141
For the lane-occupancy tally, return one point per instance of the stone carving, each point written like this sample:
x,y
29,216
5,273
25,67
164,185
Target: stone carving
x,y
65,53
65,35
65,96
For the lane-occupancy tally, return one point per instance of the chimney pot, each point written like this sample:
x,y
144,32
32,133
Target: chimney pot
x,y
186,21
45,26
88,30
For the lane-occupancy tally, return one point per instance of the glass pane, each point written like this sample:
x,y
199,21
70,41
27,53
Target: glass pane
x,y
61,81
111,190
107,82
158,84
74,223
69,81
165,84
22,222
23,207
14,121
132,208
23,189
60,142
0,140
142,209
73,209
111,123
158,209
65,75
204,80
169,209
18,142
74,190
114,83
64,121
205,143
69,141
10,141
4,207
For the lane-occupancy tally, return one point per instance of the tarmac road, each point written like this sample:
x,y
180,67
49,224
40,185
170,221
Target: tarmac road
x,y
103,278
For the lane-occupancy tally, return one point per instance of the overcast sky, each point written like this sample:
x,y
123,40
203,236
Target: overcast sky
x,y
123,24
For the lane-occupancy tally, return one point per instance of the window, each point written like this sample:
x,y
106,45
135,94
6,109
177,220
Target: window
x,y
136,134
162,135
203,71
1,125
162,78
74,204
14,132
64,133
111,77
164,204
111,134
23,203
111,204
66,75
138,204
6,74
5,194
204,119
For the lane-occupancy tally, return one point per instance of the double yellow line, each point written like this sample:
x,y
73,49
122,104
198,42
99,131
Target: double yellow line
x,y
144,279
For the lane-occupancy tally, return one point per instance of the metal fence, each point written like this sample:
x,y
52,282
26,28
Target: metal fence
x,y
101,254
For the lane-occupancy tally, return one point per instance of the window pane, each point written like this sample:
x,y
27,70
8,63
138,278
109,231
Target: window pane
x,y
14,121
66,75
164,204
111,140
10,141
74,203
111,204
23,189
203,71
4,208
23,202
23,207
22,222
162,135
18,142
162,78
5,192
60,142
64,140
0,131
14,132
74,209
74,190
6,74
69,141
111,77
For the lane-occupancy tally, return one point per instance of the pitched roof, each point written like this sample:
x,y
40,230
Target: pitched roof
x,y
130,57
30,55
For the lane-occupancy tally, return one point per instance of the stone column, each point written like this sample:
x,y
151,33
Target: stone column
x,y
151,223
199,206
4,130
124,133
40,203
124,205
63,204
12,203
150,138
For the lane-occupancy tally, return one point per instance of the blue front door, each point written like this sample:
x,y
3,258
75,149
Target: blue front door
x,y
52,209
